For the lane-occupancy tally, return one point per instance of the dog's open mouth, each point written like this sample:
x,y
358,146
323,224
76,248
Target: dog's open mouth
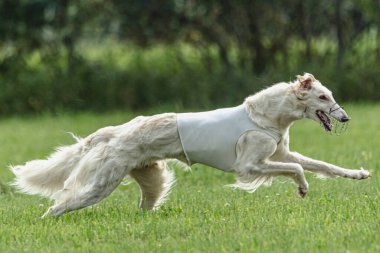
x,y
325,120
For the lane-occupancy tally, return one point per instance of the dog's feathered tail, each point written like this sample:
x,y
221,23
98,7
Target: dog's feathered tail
x,y
45,177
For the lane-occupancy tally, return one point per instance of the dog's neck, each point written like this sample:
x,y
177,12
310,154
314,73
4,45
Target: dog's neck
x,y
275,107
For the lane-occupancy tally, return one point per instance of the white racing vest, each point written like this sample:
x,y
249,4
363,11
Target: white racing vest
x,y
210,137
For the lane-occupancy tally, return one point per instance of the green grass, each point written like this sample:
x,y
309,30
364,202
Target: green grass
x,y
338,215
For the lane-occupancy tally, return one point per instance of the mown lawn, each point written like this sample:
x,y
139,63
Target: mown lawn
x,y
338,215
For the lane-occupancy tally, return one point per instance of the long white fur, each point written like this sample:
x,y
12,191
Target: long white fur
x,y
86,172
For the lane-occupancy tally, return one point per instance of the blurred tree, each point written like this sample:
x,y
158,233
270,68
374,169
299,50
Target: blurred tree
x,y
237,40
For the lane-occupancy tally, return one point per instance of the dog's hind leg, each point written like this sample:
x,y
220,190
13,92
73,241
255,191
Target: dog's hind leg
x,y
155,182
87,186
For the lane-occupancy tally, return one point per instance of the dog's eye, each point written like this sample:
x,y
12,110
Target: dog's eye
x,y
323,97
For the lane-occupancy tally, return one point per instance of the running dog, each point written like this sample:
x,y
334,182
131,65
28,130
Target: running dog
x,y
251,140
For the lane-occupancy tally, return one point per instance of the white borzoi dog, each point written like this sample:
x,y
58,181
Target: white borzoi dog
x,y
251,140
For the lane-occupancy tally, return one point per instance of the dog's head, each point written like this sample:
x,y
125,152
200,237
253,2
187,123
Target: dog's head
x,y
319,102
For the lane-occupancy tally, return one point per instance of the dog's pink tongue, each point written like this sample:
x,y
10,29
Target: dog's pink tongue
x,y
327,122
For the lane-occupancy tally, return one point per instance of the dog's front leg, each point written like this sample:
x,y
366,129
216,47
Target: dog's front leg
x,y
292,170
253,152
324,168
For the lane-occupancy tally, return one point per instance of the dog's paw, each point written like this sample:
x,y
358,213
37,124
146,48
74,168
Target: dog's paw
x,y
362,174
302,191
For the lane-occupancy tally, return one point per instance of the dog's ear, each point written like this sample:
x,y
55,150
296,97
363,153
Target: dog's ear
x,y
306,81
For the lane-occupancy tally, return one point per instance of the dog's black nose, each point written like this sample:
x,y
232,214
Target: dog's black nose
x,y
344,119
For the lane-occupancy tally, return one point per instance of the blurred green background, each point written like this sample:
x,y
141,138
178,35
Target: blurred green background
x,y
66,55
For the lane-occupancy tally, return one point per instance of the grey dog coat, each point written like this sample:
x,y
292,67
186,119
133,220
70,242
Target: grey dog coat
x,y
210,137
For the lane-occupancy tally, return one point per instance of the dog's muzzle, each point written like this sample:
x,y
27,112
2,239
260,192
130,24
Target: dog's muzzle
x,y
336,119
338,113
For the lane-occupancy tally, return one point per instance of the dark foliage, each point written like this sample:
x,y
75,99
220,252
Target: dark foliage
x,y
208,52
